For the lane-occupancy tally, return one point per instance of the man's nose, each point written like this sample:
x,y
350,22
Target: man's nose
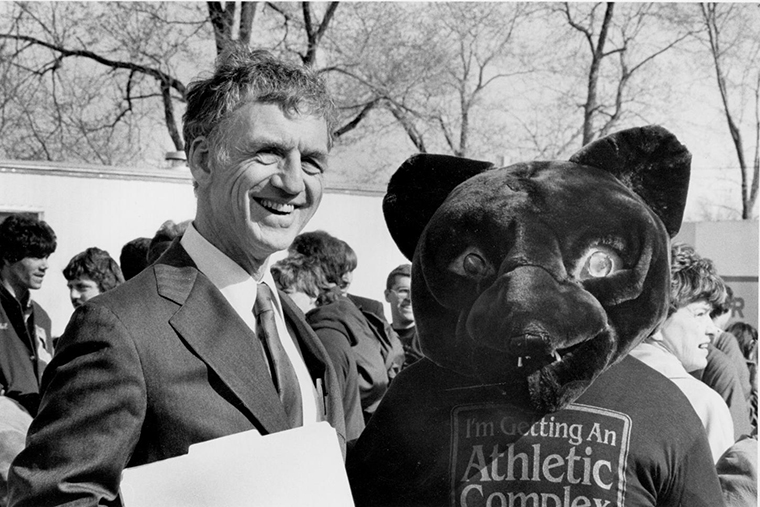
x,y
44,264
290,176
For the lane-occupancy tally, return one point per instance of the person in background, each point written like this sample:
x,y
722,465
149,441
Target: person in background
x,y
90,273
726,343
398,292
200,345
377,357
680,345
14,424
163,238
373,311
737,473
339,261
134,257
26,344
303,281
746,336
720,373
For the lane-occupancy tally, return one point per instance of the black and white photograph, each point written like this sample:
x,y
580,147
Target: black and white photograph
x,y
379,253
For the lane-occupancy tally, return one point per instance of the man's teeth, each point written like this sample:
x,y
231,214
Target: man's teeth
x,y
276,207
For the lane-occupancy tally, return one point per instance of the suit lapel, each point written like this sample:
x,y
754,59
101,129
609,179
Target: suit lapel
x,y
313,355
211,328
319,366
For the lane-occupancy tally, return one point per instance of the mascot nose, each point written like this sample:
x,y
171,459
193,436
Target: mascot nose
x,y
528,311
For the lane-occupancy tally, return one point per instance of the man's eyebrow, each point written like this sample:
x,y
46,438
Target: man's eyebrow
x,y
266,144
318,155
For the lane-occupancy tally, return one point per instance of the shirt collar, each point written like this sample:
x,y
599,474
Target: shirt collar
x,y
661,359
237,286
24,303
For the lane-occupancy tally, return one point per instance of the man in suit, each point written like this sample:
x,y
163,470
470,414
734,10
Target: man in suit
x,y
176,356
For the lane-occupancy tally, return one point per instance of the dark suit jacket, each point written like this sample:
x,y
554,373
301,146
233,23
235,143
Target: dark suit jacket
x,y
19,365
144,371
393,350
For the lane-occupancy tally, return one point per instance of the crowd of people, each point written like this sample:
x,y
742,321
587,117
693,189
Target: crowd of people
x,y
207,337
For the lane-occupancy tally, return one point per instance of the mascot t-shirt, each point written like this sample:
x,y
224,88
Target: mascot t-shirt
x,y
501,455
630,439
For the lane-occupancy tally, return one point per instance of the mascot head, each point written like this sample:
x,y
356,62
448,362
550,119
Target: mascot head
x,y
541,275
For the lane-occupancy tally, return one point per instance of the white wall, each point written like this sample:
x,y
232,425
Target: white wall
x,y
733,246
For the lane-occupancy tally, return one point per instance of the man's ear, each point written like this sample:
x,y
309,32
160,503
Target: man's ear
x,y
387,293
651,162
198,159
417,190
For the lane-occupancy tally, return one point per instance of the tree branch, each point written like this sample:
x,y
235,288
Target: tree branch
x,y
171,123
221,16
357,119
159,75
247,15
314,34
409,128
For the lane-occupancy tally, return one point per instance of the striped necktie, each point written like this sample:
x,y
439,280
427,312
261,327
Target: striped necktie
x,y
283,373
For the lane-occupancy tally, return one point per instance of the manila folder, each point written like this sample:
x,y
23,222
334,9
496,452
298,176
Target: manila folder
x,y
298,467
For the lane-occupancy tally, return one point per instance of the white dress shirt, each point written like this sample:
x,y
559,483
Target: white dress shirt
x,y
239,289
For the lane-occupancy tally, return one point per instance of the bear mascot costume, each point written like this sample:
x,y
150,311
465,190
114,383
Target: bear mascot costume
x,y
530,285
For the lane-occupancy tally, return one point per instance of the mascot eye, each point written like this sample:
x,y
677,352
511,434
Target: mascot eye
x,y
599,262
472,264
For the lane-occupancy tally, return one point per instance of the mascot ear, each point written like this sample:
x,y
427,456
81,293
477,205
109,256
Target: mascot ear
x,y
417,190
651,162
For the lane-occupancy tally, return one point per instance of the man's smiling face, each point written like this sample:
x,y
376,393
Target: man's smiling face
x,y
263,183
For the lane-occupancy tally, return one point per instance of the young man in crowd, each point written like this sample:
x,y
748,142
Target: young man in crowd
x,y
25,342
25,245
398,292
90,273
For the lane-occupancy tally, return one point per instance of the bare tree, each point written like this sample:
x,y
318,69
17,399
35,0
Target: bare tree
x,y
609,34
500,81
132,45
375,59
228,26
138,46
430,65
302,30
716,17
479,38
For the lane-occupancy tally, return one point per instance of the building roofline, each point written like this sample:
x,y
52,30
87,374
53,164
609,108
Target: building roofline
x,y
179,175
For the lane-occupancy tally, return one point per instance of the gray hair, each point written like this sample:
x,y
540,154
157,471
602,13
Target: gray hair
x,y
244,75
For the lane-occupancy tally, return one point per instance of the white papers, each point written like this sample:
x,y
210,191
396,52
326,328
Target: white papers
x,y
298,467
